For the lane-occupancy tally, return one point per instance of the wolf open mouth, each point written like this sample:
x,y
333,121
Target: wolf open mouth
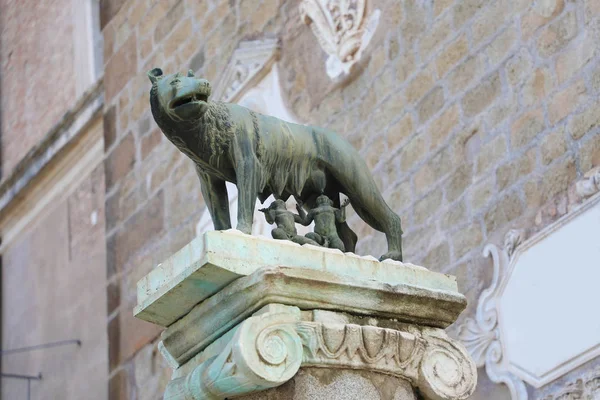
x,y
181,101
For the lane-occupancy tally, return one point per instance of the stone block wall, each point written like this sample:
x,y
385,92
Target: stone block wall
x,y
36,73
475,117
53,290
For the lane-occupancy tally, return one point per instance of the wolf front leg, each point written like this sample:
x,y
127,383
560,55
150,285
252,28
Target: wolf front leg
x,y
215,196
247,184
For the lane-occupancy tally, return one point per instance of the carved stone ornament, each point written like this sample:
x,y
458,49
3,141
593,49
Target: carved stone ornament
x,y
587,387
481,335
250,62
342,29
513,334
267,350
590,184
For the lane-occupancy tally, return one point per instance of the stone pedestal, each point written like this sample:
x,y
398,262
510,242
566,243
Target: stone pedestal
x,y
255,318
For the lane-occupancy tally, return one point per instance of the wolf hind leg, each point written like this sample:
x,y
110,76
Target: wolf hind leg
x,y
383,219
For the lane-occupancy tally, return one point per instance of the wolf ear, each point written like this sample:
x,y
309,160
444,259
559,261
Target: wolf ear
x,y
190,74
155,75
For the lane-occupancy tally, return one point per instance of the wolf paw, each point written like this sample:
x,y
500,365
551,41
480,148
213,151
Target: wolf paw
x,y
394,255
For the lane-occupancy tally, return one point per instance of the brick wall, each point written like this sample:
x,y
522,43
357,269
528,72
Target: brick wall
x,y
475,117
36,73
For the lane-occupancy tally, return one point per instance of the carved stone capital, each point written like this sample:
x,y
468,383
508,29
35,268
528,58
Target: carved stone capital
x,y
234,324
267,350
438,366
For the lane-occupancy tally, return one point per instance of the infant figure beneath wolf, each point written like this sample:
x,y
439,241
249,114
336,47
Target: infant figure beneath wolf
x,y
325,216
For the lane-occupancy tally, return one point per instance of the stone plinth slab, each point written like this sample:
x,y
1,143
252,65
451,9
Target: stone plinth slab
x,y
307,289
245,315
215,259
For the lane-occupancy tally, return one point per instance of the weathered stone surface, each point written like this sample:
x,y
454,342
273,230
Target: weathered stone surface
x,y
566,101
451,55
427,206
502,45
519,67
268,348
540,15
466,239
207,265
504,211
482,95
431,104
420,85
467,72
509,173
120,68
465,9
251,335
581,124
490,154
120,161
438,34
553,146
557,35
138,231
110,127
590,153
526,128
339,384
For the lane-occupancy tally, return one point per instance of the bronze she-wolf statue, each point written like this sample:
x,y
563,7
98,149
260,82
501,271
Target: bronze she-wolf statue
x,y
264,155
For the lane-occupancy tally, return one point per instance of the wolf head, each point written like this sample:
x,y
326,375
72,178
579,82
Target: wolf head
x,y
181,98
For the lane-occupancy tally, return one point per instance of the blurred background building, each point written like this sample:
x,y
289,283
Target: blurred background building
x,y
478,118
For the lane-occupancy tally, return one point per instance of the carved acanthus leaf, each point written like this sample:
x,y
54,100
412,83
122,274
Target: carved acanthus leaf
x,y
476,339
342,30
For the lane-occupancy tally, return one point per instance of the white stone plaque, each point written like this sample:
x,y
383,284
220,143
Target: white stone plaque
x,y
549,306
538,320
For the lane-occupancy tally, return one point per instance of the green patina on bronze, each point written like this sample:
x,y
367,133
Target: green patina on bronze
x,y
264,155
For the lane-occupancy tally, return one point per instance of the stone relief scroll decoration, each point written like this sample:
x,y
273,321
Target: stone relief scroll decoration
x,y
265,352
250,62
439,367
343,30
268,349
481,334
587,387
